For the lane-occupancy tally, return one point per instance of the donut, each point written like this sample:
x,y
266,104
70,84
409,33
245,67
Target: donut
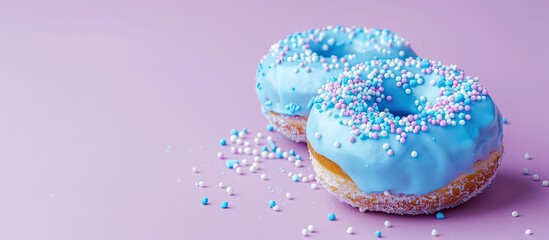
x,y
409,136
290,74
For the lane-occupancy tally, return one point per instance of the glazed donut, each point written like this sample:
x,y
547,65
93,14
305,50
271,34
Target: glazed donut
x,y
404,136
289,76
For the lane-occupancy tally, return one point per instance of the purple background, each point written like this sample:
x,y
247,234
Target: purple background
x,y
106,106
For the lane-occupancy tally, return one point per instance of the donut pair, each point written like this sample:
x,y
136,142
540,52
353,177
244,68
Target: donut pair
x,y
400,134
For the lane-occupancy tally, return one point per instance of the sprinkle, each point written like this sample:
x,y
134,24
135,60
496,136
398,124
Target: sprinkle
x,y
311,228
229,190
350,230
440,215
291,159
505,120
205,201
304,232
276,208
528,231
245,130
223,142
272,203
360,209
245,162
386,146
234,132
314,186
233,138
263,176
298,163
253,169
545,183
295,178
221,185
434,233
195,170
288,196
270,128
535,177
524,171
378,234
390,152
527,156
224,204
239,171
220,155
231,163
387,224
259,135
337,144
413,154
201,184
514,214
269,138
332,216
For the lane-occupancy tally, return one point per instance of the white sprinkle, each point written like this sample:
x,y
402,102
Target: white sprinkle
x,y
434,232
337,144
311,228
288,195
350,230
285,155
545,183
276,208
318,135
248,151
413,154
527,156
245,162
201,184
235,166
239,141
255,152
314,186
264,154
259,135
401,53
305,179
297,163
221,185
195,170
290,174
387,224
239,170
269,138
272,155
360,209
240,150
524,171
220,155
386,193
304,232
528,231
253,168
229,190
263,176
514,214
246,144
386,146
256,159
241,134
256,140
535,177
291,159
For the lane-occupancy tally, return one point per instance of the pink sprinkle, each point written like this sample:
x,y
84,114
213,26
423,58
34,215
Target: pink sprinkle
x,y
424,128
468,117
443,123
402,140
390,152
220,155
352,139
233,150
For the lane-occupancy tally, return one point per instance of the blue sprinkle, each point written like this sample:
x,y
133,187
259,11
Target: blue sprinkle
x,y
297,157
295,178
270,128
205,201
224,204
279,154
292,152
332,216
245,130
440,215
272,203
223,142
230,163
378,234
272,144
234,132
264,149
504,120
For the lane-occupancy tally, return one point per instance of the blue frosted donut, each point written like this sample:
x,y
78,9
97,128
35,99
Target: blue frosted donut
x,y
289,76
404,136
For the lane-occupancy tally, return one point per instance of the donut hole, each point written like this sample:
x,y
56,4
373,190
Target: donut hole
x,y
338,49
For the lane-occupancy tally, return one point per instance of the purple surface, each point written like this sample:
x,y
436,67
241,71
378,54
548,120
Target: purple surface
x,y
106,106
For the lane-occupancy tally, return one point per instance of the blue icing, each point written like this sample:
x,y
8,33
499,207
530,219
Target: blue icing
x,y
459,130
306,60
